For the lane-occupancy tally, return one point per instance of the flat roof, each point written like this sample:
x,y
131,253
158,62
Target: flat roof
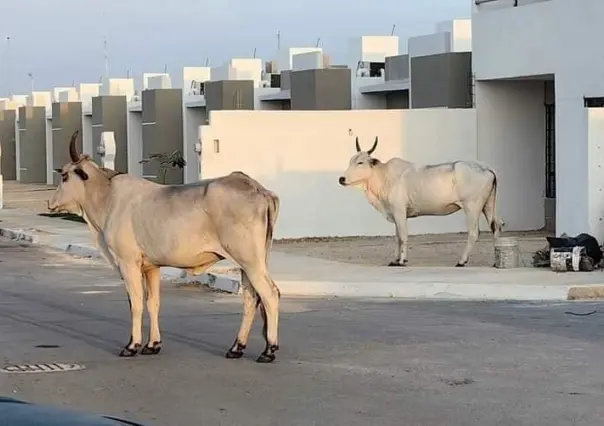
x,y
282,95
387,86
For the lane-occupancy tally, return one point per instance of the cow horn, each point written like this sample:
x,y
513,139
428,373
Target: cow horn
x,y
357,143
73,151
373,147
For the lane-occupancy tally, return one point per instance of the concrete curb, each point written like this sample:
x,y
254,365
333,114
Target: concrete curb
x,y
415,290
215,281
586,292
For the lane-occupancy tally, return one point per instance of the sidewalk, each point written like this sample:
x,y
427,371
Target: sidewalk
x,y
299,275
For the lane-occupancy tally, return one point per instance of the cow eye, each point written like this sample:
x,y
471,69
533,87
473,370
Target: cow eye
x,y
360,163
64,177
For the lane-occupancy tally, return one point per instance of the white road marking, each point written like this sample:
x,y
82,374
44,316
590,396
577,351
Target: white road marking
x,y
96,292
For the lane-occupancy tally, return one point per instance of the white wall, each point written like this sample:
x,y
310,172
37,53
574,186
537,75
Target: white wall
x,y
510,119
300,155
159,82
285,56
371,49
135,143
595,118
86,92
40,99
118,87
88,145
429,44
307,61
68,95
461,33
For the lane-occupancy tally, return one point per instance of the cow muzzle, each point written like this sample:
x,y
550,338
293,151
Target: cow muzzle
x,y
342,181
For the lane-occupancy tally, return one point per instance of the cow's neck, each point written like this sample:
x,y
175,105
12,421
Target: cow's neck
x,y
375,188
376,184
96,203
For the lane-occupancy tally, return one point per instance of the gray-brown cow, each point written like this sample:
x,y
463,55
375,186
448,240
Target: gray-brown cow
x,y
400,190
141,226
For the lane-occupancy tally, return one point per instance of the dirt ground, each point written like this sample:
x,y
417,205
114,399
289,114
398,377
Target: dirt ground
x,y
424,250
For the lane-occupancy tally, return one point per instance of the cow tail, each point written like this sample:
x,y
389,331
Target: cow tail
x,y
272,212
491,203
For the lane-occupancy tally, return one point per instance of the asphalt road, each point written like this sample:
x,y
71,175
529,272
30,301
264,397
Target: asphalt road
x,y
341,362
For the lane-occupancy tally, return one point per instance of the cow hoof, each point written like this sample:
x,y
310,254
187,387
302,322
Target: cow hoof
x,y
397,263
236,351
231,354
460,265
130,352
268,355
151,350
266,358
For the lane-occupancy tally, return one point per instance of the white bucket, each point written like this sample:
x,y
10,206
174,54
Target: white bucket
x,y
507,253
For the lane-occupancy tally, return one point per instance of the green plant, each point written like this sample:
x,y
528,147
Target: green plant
x,y
166,161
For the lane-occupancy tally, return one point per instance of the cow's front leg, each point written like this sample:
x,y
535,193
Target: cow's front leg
x,y
152,281
400,222
134,286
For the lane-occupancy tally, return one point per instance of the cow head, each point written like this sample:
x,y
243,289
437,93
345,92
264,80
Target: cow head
x,y
360,167
70,193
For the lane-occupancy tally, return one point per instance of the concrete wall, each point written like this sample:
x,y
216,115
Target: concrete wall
x,y
66,119
32,145
441,80
229,94
300,155
8,141
321,89
595,120
162,130
397,67
397,100
511,138
135,142
109,114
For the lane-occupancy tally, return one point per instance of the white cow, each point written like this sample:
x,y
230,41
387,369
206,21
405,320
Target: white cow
x,y
400,189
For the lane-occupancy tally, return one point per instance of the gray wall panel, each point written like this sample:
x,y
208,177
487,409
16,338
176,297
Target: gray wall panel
x,y
66,119
32,144
164,131
321,89
7,139
397,67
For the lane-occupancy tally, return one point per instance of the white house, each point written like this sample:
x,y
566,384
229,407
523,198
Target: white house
x,y
539,85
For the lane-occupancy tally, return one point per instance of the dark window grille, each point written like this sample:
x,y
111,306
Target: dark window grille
x,y
550,151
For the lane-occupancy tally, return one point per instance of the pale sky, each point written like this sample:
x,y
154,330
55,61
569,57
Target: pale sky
x,y
61,41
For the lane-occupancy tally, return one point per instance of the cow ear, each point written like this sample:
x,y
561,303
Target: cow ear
x,y
374,161
59,171
81,173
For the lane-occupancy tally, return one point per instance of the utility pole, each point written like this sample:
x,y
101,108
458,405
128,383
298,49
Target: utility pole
x,y
31,80
8,69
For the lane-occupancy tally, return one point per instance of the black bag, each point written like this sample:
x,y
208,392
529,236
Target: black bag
x,y
592,247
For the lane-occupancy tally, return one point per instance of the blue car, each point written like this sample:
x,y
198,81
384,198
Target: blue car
x,y
20,413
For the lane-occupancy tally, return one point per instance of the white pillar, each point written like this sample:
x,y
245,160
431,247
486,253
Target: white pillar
x,y
106,150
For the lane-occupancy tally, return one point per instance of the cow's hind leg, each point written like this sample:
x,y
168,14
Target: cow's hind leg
x,y
134,286
250,302
269,306
153,279
472,221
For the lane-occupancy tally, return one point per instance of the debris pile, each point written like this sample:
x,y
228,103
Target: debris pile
x,y
580,253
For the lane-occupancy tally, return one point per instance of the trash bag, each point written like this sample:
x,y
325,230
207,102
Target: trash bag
x,y
590,258
592,247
